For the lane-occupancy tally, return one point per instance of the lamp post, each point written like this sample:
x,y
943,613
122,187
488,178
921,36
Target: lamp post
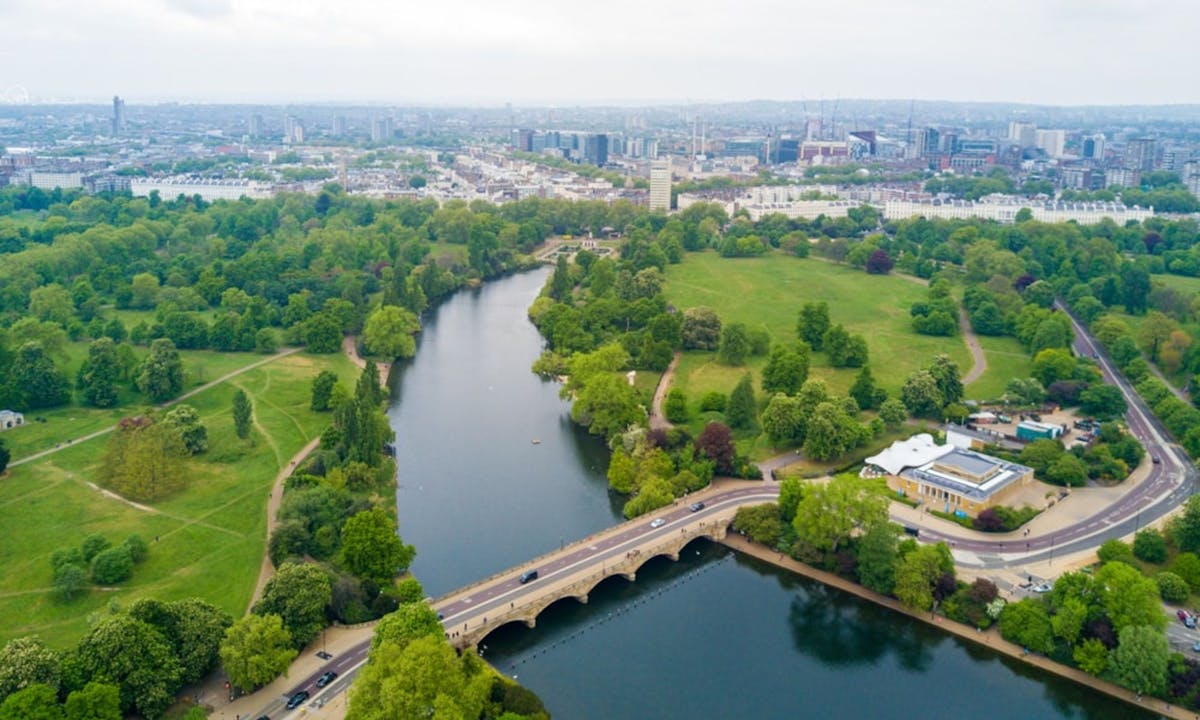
x,y
1051,549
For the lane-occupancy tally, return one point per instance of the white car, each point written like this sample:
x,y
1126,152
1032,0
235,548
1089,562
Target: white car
x,y
657,523
1043,588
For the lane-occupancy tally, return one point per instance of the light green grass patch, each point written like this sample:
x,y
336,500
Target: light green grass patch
x,y
1006,359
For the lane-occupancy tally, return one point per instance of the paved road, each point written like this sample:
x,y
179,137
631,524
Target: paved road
x,y
1170,481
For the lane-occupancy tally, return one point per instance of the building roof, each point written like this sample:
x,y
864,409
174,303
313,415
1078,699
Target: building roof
x,y
914,452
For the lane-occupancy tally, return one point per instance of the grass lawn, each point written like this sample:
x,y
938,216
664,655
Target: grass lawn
x,y
1178,282
1006,359
811,468
206,541
767,293
73,421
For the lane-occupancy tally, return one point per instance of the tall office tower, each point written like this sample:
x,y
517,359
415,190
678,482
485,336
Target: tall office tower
x,y
381,129
118,117
930,143
660,185
595,149
293,130
256,126
1139,154
522,140
1093,147
339,125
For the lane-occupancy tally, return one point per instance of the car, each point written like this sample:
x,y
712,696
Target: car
x,y
1154,459
1043,588
326,678
297,700
528,576
1196,647
324,655
263,717
1186,618
696,506
657,523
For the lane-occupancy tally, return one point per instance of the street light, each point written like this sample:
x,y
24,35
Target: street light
x,y
1051,549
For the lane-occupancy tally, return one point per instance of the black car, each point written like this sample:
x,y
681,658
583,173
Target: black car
x,y
326,678
297,700
696,506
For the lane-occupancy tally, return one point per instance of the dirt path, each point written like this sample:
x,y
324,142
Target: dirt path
x,y
978,360
657,420
167,404
350,347
266,569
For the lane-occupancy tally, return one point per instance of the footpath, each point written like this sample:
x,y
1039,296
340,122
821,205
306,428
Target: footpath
x,y
989,638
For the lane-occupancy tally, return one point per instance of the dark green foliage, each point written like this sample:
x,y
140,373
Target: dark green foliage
x,y
112,566
786,369
160,375
322,389
675,407
813,323
741,410
1150,545
242,414
99,374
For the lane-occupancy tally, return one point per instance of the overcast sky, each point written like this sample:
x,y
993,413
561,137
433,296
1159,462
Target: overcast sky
x,y
597,51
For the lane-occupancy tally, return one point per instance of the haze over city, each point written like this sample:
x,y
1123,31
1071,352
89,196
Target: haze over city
x,y
1055,52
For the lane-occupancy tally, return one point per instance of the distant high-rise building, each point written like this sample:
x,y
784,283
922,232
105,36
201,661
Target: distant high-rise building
x,y
1052,141
1023,133
1139,154
339,126
293,130
522,140
118,116
256,126
785,150
930,142
1093,147
660,185
595,149
381,129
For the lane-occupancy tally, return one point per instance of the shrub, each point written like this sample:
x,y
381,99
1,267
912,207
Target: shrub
x,y
1171,587
1115,551
112,566
1150,545
713,401
137,548
93,545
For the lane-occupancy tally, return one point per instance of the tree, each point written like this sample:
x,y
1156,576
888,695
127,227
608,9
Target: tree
x,y
701,329
877,553
607,406
161,373
112,566
1150,545
36,380
99,374
829,514
735,344
830,432
1186,527
1068,471
1028,624
145,291
1069,618
715,442
389,333
813,323
921,396
256,650
879,263
1172,588
322,390
1130,599
1141,659
1103,401
741,408
423,679
783,419
786,369
322,333
36,702
96,701
27,661
299,595
918,571
69,580
1187,566
242,414
185,420
1135,289
193,628
675,408
864,391
407,623
133,656
893,412
1024,391
143,460
371,548
945,373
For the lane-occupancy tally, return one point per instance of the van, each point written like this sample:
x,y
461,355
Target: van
x,y
528,576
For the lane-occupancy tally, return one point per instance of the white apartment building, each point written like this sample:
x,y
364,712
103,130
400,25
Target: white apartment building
x,y
208,189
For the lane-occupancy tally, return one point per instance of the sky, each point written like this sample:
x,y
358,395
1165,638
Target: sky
x,y
545,52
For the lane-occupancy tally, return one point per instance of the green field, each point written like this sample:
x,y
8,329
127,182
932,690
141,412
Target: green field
x,y
1178,282
205,541
1006,359
767,293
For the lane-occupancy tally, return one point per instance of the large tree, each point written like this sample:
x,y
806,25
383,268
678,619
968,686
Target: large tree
x,y
389,333
830,513
786,369
742,408
256,650
37,381
185,420
877,554
813,324
194,628
424,678
132,655
299,594
371,548
99,374
27,661
735,344
161,373
144,460
243,414
1130,598
701,329
918,572
1141,659
409,622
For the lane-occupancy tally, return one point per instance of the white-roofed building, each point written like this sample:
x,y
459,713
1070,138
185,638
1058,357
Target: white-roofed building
x,y
949,478
10,419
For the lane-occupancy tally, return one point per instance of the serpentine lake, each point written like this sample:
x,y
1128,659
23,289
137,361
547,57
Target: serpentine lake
x,y
493,473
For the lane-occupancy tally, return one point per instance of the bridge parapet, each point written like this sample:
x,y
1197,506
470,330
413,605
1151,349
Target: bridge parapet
x,y
579,586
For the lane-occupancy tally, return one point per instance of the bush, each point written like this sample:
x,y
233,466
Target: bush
x,y
1171,587
713,401
137,548
1150,545
675,407
69,581
93,545
1115,551
112,566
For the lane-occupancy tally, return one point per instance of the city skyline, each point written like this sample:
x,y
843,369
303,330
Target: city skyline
x,y
1060,52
